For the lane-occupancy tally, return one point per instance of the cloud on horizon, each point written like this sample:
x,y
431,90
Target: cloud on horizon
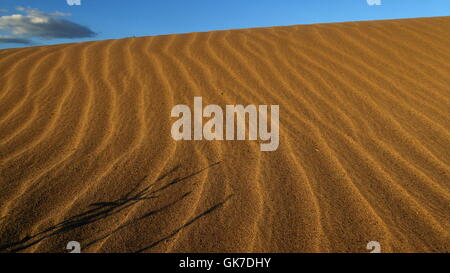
x,y
14,40
42,25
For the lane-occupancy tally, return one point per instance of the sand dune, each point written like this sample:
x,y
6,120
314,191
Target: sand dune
x,y
86,152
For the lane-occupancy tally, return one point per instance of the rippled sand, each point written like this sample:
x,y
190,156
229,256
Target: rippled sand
x,y
86,152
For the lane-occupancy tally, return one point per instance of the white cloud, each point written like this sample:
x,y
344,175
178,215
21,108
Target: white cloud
x,y
35,23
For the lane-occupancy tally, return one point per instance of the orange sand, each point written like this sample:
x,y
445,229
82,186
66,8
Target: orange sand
x,y
86,152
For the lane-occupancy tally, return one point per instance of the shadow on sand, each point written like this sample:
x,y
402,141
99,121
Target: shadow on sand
x,y
101,210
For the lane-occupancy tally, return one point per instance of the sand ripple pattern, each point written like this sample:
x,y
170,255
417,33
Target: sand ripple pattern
x,y
86,152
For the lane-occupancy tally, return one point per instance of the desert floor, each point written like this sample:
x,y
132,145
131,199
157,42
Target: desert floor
x,y
86,152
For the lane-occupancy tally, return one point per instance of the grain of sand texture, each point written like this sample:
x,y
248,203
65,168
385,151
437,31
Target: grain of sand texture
x,y
86,152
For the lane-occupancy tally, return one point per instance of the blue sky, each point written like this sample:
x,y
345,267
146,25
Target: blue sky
x,y
109,19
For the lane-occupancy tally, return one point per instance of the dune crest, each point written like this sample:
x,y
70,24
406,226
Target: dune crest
x,y
86,152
